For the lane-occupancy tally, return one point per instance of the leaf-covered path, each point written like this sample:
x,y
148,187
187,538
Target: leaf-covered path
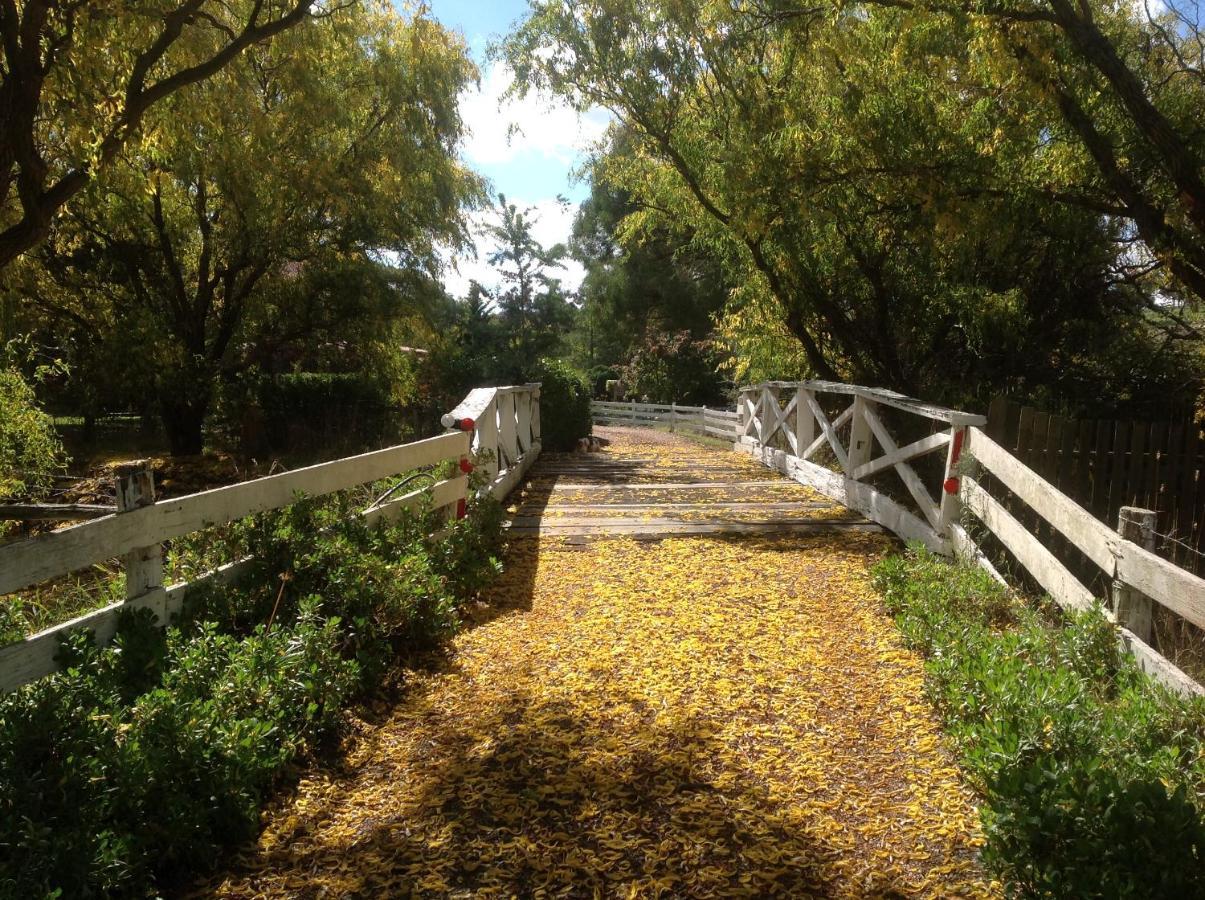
x,y
700,716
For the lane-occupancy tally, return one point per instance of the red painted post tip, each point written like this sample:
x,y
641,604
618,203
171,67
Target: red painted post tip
x,y
467,424
951,485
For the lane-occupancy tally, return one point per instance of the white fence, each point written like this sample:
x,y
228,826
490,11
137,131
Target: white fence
x,y
506,423
702,420
786,426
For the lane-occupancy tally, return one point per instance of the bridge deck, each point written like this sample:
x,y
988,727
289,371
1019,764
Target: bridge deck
x,y
689,715
648,484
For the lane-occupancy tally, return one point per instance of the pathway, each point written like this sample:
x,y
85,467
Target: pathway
x,y
684,714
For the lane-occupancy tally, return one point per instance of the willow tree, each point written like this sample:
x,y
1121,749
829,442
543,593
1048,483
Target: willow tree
x,y
332,148
859,173
78,78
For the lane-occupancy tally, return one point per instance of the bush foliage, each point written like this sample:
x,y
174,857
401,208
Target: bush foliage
x,y
1093,777
30,451
564,405
140,762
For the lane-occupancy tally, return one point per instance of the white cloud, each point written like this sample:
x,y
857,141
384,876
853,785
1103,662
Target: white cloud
x,y
501,128
552,223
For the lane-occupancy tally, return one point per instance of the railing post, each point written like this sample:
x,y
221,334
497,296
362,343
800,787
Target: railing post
x,y
673,414
742,414
859,437
951,498
1132,609
805,422
143,565
535,414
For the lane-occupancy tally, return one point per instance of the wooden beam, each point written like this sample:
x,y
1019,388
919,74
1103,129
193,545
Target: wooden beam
x,y
1051,574
926,445
1095,539
907,474
35,559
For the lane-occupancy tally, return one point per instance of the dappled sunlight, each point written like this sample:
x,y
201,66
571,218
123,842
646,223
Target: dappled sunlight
x,y
691,717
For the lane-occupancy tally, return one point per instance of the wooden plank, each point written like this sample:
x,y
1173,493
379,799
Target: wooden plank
x,y
1169,477
439,495
1051,574
54,512
1085,460
925,445
907,474
1157,666
1168,585
1094,539
1117,469
36,559
1190,493
997,418
685,529
829,431
471,407
1135,482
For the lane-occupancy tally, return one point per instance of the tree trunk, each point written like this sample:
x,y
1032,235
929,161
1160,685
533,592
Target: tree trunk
x,y
183,416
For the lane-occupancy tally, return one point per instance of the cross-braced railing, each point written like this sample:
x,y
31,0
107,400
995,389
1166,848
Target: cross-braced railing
x,y
843,439
792,426
505,426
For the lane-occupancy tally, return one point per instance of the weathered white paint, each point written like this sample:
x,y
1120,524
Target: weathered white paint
x,y
1051,574
38,558
1097,541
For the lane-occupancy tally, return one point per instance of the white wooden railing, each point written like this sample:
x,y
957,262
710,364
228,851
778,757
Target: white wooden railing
x,y
505,427
786,426
506,424
702,420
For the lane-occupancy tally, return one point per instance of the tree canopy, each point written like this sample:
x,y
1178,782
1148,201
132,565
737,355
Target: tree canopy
x,y
883,183
327,155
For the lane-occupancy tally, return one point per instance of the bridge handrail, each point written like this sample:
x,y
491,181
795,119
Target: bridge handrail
x,y
701,420
787,435
504,428
137,531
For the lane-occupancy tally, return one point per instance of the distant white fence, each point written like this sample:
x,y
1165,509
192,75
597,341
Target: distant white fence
x,y
786,426
702,420
503,421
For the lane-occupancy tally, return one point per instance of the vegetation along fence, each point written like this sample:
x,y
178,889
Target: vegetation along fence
x,y
501,426
934,475
1105,465
702,420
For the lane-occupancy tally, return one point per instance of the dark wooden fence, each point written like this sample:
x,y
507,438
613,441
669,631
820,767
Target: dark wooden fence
x,y
1105,465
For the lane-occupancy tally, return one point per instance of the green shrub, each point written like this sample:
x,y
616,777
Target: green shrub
x,y
142,761
674,368
30,451
1093,777
564,405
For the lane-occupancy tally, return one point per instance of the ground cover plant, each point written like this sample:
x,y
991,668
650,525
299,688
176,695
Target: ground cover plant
x,y
1092,776
139,763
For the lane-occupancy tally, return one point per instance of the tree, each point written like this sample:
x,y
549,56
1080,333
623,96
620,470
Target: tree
x,y
860,179
79,77
653,280
195,250
1129,89
532,310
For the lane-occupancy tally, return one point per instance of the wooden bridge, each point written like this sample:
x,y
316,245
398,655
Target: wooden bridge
x,y
684,682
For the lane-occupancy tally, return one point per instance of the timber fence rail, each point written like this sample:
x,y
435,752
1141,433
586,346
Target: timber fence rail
x,y
1107,464
701,420
498,426
917,468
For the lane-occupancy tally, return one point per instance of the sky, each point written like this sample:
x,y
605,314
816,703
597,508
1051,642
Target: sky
x,y
532,167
